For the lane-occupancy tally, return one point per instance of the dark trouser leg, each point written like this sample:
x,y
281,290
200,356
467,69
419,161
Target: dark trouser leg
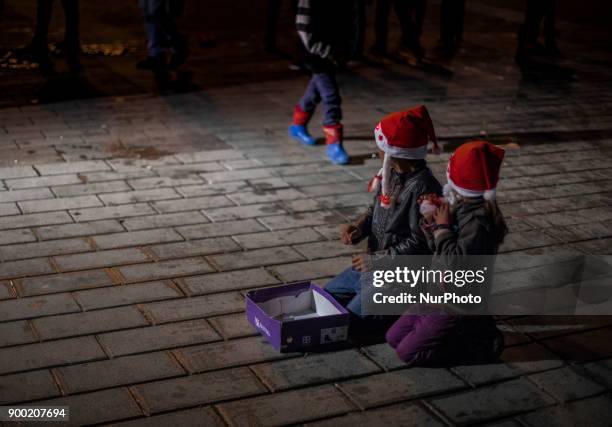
x,y
44,10
71,37
327,87
530,29
446,20
311,97
359,27
381,25
427,341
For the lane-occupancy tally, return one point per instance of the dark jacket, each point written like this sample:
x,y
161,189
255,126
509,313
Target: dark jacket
x,y
327,30
473,232
396,230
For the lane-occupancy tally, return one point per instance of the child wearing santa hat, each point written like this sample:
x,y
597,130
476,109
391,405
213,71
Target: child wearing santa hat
x,y
326,30
466,222
392,224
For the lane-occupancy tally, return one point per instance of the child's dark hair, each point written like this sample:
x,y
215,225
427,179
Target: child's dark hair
x,y
499,223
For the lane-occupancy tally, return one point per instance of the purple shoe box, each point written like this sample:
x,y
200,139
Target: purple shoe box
x,y
297,316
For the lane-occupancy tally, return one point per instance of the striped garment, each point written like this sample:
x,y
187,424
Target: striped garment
x,y
305,28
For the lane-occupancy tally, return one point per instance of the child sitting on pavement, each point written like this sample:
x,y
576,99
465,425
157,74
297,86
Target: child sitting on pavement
x,y
466,222
391,224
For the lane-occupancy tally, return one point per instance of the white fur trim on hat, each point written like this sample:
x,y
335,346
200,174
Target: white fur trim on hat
x,y
487,194
416,153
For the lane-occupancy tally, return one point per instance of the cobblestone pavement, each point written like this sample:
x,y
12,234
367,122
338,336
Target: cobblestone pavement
x,y
131,228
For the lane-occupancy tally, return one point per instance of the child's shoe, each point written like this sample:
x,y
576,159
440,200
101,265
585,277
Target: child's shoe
x,y
335,150
298,130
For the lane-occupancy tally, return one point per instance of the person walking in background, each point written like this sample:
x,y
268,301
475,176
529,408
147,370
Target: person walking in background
x,y
537,11
38,51
162,35
326,31
411,14
452,13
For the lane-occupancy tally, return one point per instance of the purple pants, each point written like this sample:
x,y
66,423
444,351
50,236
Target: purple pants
x,y
422,339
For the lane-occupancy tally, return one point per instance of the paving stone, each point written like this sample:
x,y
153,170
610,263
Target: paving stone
x,y
17,172
79,202
400,385
6,291
27,386
165,269
201,389
243,212
119,371
10,209
80,229
195,247
228,281
166,181
277,238
90,322
8,237
225,176
393,416
29,267
42,181
384,355
188,418
496,401
47,354
232,326
298,406
136,238
298,220
27,308
565,384
551,326
123,211
337,188
93,188
325,249
201,231
33,220
62,168
312,269
195,307
158,337
595,412
42,249
314,368
137,196
266,196
214,356
164,220
125,294
63,282
99,259
585,346
98,407
257,257
515,361
525,240
600,371
14,333
192,204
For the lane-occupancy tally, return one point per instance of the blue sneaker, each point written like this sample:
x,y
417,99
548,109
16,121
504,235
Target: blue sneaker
x,y
336,154
301,135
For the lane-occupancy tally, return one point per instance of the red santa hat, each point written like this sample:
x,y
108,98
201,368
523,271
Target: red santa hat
x,y
473,169
405,135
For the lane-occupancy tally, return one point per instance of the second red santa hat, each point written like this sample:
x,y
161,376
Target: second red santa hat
x,y
473,169
405,135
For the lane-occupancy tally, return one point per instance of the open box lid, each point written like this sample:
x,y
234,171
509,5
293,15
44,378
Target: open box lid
x,y
296,301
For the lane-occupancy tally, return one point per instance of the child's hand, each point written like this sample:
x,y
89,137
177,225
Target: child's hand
x,y
442,215
362,262
349,234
